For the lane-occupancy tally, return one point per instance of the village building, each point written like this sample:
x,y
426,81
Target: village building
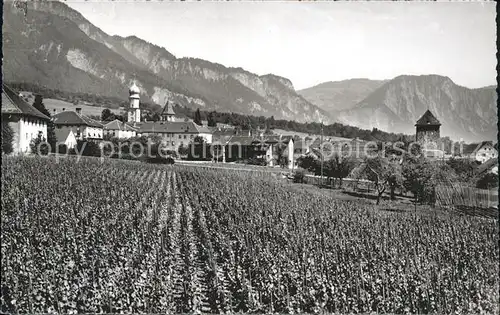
x,y
26,121
173,134
268,149
66,136
83,127
479,152
302,146
118,129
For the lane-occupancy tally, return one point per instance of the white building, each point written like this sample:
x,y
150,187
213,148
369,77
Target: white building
x,y
82,126
120,130
174,134
26,122
480,152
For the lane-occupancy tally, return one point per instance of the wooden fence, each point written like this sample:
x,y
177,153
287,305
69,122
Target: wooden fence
x,y
460,195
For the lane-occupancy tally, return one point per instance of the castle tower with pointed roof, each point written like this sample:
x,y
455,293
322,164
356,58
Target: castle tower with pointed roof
x,y
134,113
168,113
428,131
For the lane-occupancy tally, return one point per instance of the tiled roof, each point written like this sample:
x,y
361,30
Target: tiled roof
x,y
170,127
72,118
428,119
12,103
118,125
203,129
224,132
221,139
241,140
167,109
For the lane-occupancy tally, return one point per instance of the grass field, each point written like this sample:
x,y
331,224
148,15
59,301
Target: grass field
x,y
129,237
303,135
58,105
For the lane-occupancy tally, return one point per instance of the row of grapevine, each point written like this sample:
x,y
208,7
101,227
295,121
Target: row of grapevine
x,y
115,236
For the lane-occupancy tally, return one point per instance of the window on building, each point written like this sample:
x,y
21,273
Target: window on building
x,y
173,143
185,137
27,136
180,136
191,137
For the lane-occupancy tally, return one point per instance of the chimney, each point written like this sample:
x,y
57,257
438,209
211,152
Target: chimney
x,y
79,110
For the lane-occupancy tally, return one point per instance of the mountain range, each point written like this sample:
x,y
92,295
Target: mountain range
x,y
395,105
56,47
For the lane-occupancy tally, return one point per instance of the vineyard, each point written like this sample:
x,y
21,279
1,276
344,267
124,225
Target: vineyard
x,y
123,237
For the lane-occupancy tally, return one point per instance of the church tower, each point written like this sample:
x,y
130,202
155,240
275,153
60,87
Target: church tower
x,y
428,131
134,113
167,113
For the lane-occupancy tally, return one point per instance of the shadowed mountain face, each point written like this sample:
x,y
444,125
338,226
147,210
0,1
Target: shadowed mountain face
x,y
395,106
55,46
340,95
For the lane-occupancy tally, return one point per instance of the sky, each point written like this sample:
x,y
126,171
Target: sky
x,y
314,42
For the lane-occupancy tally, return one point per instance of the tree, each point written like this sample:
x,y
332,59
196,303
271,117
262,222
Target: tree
x,y
39,145
280,152
384,173
88,148
422,176
197,117
298,176
107,115
211,120
38,104
342,167
308,163
183,150
199,140
155,117
7,138
465,169
51,134
488,181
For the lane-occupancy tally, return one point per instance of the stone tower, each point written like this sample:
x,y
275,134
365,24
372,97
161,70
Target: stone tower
x,y
428,131
168,113
134,113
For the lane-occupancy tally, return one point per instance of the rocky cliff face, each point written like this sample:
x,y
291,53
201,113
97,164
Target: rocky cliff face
x,y
465,113
109,63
